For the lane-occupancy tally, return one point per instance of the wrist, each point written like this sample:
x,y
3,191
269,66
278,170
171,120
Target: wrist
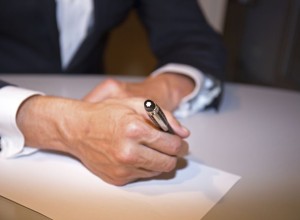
x,y
176,86
41,120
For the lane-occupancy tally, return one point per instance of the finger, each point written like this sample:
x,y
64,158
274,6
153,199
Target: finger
x,y
153,160
131,174
120,174
184,149
102,91
166,143
143,133
161,157
99,93
180,130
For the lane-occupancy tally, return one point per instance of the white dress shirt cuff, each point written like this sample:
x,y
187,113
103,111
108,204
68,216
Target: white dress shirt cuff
x,y
12,140
206,89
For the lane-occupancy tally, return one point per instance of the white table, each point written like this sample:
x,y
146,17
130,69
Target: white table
x,y
255,135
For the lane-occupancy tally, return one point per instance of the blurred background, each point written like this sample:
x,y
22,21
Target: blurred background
x,y
262,38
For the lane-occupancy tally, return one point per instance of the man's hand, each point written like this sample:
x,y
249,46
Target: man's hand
x,y
166,89
114,139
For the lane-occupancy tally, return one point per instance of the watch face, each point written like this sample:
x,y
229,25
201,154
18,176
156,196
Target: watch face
x,y
12,210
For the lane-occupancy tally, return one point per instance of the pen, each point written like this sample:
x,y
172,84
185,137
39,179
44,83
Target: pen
x,y
157,116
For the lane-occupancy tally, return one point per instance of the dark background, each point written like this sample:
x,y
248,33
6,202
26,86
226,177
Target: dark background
x,y
263,40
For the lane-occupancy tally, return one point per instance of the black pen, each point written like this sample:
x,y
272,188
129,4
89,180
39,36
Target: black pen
x,y
157,116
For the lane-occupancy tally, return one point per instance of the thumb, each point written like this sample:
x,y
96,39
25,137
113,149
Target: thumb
x,y
180,130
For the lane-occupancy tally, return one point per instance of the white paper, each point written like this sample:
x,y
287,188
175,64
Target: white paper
x,y
61,188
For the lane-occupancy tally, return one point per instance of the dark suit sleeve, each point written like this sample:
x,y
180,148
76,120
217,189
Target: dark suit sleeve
x,y
179,33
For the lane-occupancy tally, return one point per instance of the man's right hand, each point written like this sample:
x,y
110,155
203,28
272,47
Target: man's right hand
x,y
114,138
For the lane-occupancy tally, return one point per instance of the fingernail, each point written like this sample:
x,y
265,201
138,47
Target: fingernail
x,y
185,130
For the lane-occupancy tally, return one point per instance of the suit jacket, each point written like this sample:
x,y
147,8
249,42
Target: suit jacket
x,y
178,33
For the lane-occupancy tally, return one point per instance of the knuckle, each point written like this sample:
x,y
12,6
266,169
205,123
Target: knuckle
x,y
170,165
154,135
176,146
133,129
111,83
121,174
114,86
118,176
118,182
126,156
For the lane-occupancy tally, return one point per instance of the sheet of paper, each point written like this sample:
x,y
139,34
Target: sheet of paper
x,y
61,188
